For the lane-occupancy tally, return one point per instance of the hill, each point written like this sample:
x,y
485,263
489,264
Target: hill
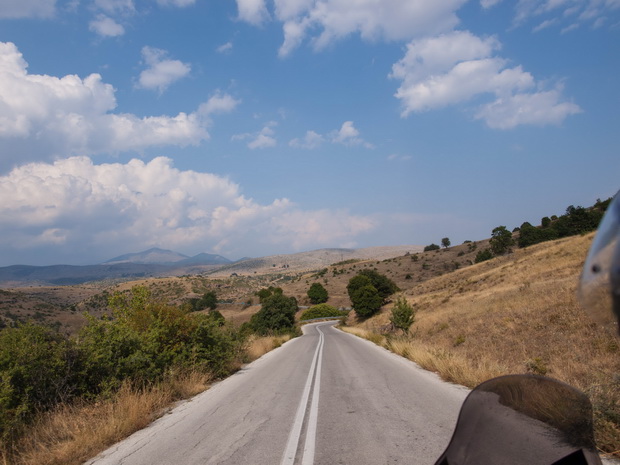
x,y
515,313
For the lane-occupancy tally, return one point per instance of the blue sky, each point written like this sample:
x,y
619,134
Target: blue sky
x,y
256,127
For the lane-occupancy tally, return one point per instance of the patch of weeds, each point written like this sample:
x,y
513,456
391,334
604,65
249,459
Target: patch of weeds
x,y
460,339
537,366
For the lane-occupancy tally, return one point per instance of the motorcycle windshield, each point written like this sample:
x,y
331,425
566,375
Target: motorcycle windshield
x,y
523,419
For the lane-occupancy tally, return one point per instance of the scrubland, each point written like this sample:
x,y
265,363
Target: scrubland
x,y
514,314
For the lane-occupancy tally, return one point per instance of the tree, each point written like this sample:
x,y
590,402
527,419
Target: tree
x,y
368,291
317,294
208,300
366,301
384,285
277,314
403,315
430,248
445,242
268,292
501,240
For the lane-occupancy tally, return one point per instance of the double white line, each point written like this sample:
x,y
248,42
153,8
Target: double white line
x,y
293,439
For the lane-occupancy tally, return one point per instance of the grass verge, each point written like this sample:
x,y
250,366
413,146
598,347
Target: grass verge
x,y
73,433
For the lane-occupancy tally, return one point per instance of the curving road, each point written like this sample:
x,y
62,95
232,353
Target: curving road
x,y
324,398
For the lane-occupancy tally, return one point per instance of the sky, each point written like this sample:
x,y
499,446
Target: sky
x,y
259,127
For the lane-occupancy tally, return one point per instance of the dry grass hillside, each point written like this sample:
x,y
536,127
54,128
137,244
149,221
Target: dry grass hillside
x,y
513,314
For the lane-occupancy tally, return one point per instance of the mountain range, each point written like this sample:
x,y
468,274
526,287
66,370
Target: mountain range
x,y
159,262
157,256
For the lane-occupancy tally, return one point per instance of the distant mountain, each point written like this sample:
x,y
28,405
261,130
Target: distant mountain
x,y
152,256
158,262
204,259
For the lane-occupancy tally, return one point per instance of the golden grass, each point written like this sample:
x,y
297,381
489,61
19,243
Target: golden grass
x,y
514,314
260,345
71,434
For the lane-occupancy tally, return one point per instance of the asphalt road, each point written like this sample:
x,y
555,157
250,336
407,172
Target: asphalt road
x,y
324,398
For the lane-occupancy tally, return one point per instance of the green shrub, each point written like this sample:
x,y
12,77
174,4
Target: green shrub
x,y
276,315
317,293
322,311
483,255
38,368
431,247
366,300
403,315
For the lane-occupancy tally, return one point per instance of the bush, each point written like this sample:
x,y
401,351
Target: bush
x,y
430,248
276,315
208,300
38,369
268,292
483,255
317,293
384,285
403,315
368,291
321,311
366,300
144,342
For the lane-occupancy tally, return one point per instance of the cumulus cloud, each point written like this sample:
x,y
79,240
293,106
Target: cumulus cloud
x,y
311,140
347,135
253,11
161,71
86,209
456,67
106,26
43,117
262,139
325,21
12,9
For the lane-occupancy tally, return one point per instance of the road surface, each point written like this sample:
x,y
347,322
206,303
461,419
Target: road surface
x,y
324,398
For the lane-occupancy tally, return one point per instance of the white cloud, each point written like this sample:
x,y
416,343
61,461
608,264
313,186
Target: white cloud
x,y
116,6
540,108
106,26
349,135
81,208
43,117
225,48
161,71
262,139
456,67
325,21
311,140
489,3
27,8
219,103
253,11
593,11
179,3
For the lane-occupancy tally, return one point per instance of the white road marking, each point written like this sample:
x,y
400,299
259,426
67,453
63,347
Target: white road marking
x,y
293,439
308,457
